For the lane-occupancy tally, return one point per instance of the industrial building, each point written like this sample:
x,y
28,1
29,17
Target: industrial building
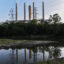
x,y
31,8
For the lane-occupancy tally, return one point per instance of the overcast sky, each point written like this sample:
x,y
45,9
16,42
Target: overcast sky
x,y
51,7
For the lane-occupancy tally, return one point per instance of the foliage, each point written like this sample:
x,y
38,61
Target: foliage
x,y
21,29
27,29
34,21
55,18
42,21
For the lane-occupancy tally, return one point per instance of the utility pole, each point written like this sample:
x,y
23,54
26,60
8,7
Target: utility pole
x,y
43,11
24,11
12,14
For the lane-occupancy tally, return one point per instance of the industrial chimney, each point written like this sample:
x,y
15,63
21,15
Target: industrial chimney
x,y
16,13
29,12
43,11
33,10
24,11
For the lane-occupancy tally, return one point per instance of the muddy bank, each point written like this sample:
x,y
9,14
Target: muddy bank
x,y
27,44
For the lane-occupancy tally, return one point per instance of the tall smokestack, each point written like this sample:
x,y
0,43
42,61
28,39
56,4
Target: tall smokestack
x,y
29,12
33,10
16,12
43,11
24,11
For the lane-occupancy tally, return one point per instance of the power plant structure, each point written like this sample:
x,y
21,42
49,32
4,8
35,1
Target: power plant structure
x,y
43,11
24,11
35,13
11,14
31,10
16,12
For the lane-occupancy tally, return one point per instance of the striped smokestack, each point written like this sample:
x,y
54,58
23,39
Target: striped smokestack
x,y
24,11
29,12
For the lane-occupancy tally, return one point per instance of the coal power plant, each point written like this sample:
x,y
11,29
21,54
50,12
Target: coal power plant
x,y
24,11
32,13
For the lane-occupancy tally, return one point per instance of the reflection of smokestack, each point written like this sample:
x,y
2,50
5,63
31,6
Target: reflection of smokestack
x,y
29,12
33,10
43,11
25,54
24,11
30,54
16,13
12,59
16,56
43,54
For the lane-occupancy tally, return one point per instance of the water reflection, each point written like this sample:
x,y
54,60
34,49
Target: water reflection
x,y
25,56
12,57
16,56
30,54
35,55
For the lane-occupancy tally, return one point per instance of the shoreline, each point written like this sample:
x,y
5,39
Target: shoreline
x,y
35,37
27,44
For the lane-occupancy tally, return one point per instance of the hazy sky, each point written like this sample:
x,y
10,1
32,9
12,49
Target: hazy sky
x,y
51,7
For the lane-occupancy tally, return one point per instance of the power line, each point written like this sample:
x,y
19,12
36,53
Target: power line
x,y
11,14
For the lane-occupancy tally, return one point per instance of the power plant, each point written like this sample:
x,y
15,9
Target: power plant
x,y
32,12
29,12
16,12
24,11
43,11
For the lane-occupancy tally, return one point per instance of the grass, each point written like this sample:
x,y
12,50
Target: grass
x,y
10,41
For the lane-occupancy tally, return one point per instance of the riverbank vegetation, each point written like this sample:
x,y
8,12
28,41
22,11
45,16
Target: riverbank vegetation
x,y
26,30
11,41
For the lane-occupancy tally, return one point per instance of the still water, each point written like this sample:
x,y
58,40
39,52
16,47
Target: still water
x,y
35,55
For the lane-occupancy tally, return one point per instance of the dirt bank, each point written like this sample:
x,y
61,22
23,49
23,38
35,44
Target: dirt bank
x,y
27,44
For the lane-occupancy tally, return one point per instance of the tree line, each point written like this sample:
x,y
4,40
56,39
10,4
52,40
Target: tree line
x,y
51,27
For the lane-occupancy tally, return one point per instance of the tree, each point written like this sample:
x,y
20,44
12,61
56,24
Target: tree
x,y
34,21
50,19
42,21
55,18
